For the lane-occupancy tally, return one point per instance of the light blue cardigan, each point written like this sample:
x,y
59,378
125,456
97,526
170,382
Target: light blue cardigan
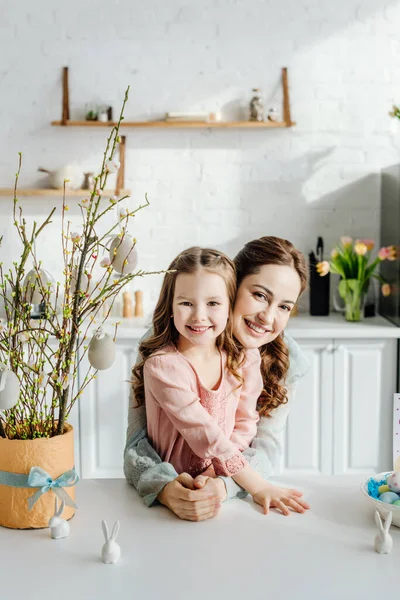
x,y
145,470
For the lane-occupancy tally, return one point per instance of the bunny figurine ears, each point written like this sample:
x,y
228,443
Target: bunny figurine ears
x,y
111,551
383,540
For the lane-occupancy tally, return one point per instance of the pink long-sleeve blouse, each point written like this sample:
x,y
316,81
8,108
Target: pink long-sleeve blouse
x,y
192,427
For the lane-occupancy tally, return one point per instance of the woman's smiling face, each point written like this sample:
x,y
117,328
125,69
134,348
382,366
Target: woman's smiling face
x,y
263,304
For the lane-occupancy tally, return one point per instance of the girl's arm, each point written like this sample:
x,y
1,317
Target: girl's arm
x,y
167,380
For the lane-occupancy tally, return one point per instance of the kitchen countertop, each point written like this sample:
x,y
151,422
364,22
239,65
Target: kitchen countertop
x,y
303,326
326,553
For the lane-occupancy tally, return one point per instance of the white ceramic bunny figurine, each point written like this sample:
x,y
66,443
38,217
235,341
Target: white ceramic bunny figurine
x,y
383,541
111,551
59,527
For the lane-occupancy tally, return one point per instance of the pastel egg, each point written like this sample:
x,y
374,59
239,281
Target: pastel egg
x,y
389,497
396,503
123,254
102,351
9,389
383,488
86,283
393,482
35,282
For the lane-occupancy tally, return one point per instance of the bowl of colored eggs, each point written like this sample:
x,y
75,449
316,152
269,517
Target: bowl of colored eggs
x,y
383,490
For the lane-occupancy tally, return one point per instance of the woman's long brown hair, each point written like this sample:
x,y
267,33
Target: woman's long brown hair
x,y
164,331
274,355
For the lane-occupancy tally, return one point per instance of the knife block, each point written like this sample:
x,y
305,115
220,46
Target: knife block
x,y
319,292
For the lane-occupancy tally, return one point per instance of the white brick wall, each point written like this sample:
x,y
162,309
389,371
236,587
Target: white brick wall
x,y
218,188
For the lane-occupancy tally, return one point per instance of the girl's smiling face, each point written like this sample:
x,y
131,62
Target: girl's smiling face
x,y
263,304
200,307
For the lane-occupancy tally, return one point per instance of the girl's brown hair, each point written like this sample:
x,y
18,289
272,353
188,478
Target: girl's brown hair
x,y
164,331
271,250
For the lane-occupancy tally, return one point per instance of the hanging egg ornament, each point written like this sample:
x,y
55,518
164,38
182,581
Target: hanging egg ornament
x,y
102,350
113,165
34,282
393,482
9,389
85,284
123,254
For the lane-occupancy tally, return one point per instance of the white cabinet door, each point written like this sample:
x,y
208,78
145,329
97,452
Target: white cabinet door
x,y
308,435
364,382
103,415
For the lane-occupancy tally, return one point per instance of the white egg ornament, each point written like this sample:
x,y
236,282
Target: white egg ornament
x,y
123,254
9,389
85,284
102,350
393,482
34,282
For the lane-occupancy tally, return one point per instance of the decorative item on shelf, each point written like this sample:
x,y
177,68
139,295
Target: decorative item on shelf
x,y
257,111
91,112
111,551
41,386
102,350
319,288
351,261
70,176
88,181
102,113
188,116
110,113
273,114
127,310
139,304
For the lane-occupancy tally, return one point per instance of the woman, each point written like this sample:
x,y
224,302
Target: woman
x,y
271,275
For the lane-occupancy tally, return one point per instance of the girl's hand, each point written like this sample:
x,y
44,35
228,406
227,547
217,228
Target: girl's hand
x,y
280,498
209,472
189,503
211,482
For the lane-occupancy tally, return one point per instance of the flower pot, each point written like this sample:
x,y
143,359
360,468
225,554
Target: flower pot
x,y
55,456
353,293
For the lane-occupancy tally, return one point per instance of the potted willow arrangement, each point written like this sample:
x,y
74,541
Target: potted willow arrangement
x,y
44,337
351,260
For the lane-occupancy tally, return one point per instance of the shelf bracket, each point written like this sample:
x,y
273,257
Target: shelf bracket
x,y
65,104
286,103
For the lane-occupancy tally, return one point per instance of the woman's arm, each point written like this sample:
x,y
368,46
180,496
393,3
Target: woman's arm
x,y
247,417
143,468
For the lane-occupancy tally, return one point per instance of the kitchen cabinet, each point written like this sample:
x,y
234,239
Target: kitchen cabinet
x,y
340,419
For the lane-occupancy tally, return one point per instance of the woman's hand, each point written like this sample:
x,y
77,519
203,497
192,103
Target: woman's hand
x,y
281,498
190,501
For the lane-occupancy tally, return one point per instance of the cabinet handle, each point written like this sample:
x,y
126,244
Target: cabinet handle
x,y
329,348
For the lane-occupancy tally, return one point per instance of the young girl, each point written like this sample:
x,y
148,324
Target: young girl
x,y
200,390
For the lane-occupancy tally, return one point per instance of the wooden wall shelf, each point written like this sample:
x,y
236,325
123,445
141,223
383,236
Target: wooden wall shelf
x,y
287,121
180,124
56,193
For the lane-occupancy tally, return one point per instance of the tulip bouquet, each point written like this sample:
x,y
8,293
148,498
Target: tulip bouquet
x,y
352,261
45,325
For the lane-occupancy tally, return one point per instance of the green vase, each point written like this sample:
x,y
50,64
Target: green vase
x,y
353,293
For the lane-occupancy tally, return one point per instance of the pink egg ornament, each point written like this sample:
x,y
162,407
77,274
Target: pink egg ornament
x,y
393,481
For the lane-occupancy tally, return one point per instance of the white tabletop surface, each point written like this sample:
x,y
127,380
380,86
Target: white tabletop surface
x,y
324,554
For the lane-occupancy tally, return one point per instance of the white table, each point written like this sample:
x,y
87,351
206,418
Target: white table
x,y
242,554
